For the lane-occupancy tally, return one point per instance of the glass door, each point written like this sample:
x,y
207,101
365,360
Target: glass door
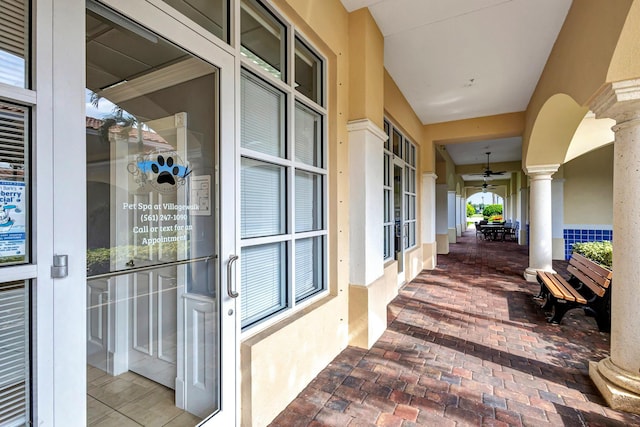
x,y
161,325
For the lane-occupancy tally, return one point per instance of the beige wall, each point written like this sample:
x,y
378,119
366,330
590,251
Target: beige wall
x,y
588,188
366,68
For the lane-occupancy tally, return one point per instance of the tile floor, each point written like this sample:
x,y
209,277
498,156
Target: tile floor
x,y
131,400
465,346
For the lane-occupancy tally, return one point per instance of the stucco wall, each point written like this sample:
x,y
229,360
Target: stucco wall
x,y
588,188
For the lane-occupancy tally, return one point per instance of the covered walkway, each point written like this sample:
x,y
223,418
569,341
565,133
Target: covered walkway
x,y
466,345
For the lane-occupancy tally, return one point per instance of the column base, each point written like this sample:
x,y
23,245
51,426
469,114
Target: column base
x,y
620,390
531,275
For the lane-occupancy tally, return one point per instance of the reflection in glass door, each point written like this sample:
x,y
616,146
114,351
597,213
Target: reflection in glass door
x,y
154,308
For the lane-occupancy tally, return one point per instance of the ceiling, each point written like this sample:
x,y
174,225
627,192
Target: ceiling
x,y
459,59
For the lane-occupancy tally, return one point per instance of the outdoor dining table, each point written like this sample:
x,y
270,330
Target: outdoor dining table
x,y
492,231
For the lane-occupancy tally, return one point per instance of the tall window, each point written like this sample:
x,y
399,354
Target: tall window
x,y
16,100
388,196
283,176
399,192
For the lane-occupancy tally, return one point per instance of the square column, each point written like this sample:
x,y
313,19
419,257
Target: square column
x,y
366,207
428,212
371,286
442,218
451,216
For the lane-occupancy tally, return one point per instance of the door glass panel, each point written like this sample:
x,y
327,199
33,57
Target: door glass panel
x,y
153,307
14,127
14,354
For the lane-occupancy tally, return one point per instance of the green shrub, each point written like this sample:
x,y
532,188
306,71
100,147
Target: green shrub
x,y
600,252
491,210
471,211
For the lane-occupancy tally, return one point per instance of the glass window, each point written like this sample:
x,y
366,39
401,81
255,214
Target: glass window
x,y
262,199
308,72
386,131
263,281
212,15
308,201
14,43
14,196
263,112
283,161
14,354
308,136
263,37
309,266
402,196
397,143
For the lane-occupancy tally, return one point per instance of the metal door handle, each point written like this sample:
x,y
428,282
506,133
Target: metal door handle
x,y
230,291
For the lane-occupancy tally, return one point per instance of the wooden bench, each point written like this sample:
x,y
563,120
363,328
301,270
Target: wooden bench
x,y
588,288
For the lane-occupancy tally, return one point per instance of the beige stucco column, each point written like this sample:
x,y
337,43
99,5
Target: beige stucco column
x,y
428,211
540,236
366,142
618,376
451,216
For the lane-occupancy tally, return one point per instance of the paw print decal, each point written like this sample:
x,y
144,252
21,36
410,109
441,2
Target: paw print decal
x,y
162,170
166,171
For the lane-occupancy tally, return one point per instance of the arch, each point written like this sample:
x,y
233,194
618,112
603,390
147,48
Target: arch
x,y
592,49
552,131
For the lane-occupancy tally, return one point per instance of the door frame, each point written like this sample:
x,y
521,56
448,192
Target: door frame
x,y
59,390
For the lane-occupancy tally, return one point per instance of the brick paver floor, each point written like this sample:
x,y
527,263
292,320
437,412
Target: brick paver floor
x,y
465,346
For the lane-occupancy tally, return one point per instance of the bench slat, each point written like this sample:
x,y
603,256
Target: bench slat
x,y
559,288
551,286
597,268
567,287
595,287
591,270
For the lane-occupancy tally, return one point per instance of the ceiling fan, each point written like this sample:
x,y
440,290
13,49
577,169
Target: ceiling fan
x,y
487,170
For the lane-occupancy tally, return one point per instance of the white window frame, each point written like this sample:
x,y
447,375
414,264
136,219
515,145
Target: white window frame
x,y
292,96
407,160
387,186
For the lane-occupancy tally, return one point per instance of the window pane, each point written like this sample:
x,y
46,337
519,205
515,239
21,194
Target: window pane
x,y
386,130
212,15
263,38
386,170
13,193
308,68
397,143
308,133
412,234
308,201
262,120
406,206
263,194
309,262
387,205
14,354
388,241
263,281
413,155
14,42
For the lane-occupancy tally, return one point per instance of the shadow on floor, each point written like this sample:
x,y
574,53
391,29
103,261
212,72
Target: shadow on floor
x,y
466,345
